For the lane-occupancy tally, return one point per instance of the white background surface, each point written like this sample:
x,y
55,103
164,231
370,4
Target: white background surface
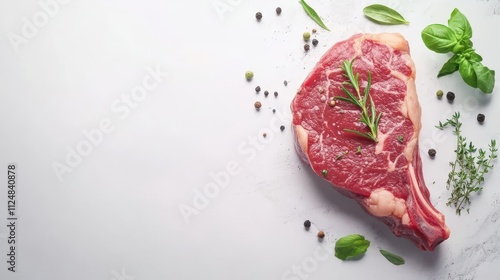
x,y
116,214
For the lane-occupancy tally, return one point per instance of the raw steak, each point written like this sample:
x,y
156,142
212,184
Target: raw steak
x,y
385,178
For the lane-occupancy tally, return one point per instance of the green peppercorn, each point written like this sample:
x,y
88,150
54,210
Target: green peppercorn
x,y
432,153
480,118
439,94
307,224
249,75
450,96
306,36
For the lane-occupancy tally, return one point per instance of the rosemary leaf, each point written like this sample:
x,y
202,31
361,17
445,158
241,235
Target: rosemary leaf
x,y
368,115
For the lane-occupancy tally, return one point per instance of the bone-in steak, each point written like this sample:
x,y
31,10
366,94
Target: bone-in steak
x,y
385,178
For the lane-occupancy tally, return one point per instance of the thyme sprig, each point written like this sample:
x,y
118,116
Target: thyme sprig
x,y
369,115
468,170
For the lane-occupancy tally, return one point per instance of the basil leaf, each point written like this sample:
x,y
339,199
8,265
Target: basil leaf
x,y
449,67
460,25
474,57
350,246
313,15
393,258
485,77
439,38
383,15
468,73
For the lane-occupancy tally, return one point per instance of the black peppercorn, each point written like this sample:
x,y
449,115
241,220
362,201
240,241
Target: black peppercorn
x,y
278,10
450,96
285,82
307,224
274,111
315,42
282,127
432,153
306,47
480,118
266,93
276,94
258,15
257,89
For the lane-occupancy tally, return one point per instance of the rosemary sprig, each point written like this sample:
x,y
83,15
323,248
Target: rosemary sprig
x,y
368,113
468,170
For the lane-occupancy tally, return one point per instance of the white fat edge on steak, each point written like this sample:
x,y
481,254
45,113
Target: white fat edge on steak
x,y
383,203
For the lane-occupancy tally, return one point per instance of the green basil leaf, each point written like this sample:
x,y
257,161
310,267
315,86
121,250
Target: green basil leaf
x,y
468,73
449,67
460,25
485,77
474,57
313,15
439,38
350,246
393,258
383,15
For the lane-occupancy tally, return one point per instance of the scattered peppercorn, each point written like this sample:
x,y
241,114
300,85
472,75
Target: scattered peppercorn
x,y
257,105
275,94
306,47
331,103
314,30
432,153
480,118
315,42
321,234
439,94
257,89
264,135
274,111
450,96
306,36
307,224
278,10
285,83
266,93
282,127
248,75
258,15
